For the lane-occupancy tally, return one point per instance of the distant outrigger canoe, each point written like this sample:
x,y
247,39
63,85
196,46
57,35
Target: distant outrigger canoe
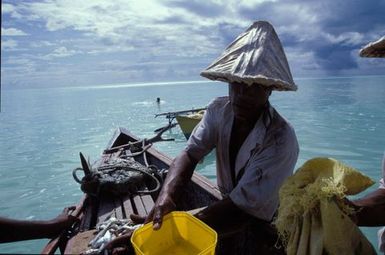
x,y
188,122
187,119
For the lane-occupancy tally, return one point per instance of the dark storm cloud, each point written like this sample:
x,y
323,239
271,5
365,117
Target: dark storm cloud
x,y
340,27
228,31
359,16
334,58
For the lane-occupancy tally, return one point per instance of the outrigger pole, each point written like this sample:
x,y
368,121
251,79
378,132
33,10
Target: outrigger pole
x,y
171,116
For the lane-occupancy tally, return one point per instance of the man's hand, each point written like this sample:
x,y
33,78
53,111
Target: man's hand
x,y
180,172
163,206
224,217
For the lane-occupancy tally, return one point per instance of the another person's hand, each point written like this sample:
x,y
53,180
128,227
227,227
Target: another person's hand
x,y
61,222
120,245
65,217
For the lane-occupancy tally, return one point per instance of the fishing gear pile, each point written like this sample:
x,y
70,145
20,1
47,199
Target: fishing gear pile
x,y
119,176
123,175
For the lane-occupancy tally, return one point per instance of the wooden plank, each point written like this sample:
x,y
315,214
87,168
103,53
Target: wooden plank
x,y
106,207
79,243
148,203
128,208
119,208
140,210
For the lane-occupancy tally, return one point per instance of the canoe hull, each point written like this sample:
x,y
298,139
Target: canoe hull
x,y
198,193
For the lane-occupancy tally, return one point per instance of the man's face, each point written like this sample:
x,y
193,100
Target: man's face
x,y
247,100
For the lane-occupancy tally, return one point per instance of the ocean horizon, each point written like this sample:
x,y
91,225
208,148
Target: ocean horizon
x,y
44,129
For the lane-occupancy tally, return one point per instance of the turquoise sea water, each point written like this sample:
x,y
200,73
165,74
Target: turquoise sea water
x,y
43,130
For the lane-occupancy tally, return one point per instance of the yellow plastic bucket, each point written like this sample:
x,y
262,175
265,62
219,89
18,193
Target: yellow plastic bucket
x,y
181,233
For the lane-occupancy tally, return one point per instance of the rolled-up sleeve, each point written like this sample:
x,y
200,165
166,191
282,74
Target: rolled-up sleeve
x,y
203,138
257,190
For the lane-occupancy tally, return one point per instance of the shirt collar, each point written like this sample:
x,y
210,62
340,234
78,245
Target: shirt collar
x,y
254,139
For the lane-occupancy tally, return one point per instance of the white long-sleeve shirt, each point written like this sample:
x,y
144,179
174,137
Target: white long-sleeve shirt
x,y
268,156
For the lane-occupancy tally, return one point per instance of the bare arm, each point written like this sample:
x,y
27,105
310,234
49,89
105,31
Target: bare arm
x,y
179,174
371,209
224,216
12,230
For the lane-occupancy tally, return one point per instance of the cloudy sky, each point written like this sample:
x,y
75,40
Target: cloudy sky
x,y
91,42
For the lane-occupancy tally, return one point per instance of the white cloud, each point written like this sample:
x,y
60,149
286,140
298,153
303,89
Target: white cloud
x,y
7,8
12,32
60,52
347,38
19,61
125,25
11,10
8,44
19,67
164,38
38,44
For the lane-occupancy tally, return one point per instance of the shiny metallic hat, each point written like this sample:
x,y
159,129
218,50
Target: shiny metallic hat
x,y
374,49
255,57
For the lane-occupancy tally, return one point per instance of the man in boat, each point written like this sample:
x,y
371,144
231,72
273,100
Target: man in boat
x,y
12,230
256,148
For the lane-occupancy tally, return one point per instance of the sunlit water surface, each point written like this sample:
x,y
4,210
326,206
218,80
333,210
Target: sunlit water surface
x,y
42,132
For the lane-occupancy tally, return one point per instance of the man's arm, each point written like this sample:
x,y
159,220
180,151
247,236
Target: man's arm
x,y
179,174
371,209
224,217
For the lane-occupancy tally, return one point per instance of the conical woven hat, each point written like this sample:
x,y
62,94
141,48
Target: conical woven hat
x,y
256,56
374,49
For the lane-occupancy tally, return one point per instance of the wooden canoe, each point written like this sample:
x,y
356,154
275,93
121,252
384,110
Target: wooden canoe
x,y
198,193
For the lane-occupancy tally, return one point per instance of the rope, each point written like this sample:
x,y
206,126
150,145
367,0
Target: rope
x,y
134,154
144,155
127,166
